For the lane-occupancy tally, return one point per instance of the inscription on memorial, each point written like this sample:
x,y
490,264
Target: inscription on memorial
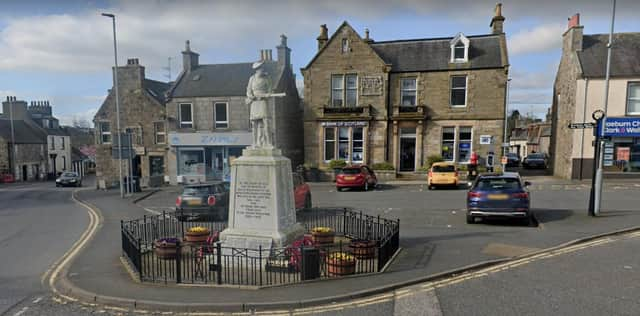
x,y
371,85
252,199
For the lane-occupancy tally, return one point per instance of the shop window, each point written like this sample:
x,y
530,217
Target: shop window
x,y
156,166
459,91
191,162
344,87
448,142
464,144
221,115
408,91
186,115
105,132
343,143
633,98
357,143
159,132
329,143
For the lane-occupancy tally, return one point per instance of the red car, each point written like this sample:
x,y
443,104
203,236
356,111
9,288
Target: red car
x,y
356,177
301,192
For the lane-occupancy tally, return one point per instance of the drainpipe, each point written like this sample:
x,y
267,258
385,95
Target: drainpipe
x,y
584,117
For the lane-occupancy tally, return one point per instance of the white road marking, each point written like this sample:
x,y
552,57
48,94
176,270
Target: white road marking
x,y
152,211
37,300
22,311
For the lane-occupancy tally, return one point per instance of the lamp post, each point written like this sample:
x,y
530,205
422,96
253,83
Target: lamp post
x,y
506,122
115,86
597,190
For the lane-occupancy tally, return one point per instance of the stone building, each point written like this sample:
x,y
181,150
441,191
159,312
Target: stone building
x,y
208,118
58,141
579,91
402,101
30,150
142,117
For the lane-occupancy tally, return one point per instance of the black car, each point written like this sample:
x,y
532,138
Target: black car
x,y
513,160
536,160
69,179
203,201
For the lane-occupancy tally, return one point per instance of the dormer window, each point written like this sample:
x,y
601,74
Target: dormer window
x,y
459,49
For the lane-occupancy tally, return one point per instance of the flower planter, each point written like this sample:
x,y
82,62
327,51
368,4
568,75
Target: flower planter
x,y
341,267
363,249
323,236
197,235
166,248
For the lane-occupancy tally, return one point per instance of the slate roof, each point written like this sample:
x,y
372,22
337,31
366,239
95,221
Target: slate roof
x,y
625,55
217,80
56,131
23,132
435,54
157,89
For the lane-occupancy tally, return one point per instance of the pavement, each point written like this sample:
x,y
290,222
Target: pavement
x,y
434,237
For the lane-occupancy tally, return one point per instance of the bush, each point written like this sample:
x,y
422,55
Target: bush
x,y
433,159
424,168
337,163
382,166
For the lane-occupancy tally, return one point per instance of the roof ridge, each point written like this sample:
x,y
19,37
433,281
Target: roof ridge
x,y
431,39
616,33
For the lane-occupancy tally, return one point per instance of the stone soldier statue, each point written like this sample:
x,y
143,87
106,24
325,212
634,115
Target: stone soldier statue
x,y
259,90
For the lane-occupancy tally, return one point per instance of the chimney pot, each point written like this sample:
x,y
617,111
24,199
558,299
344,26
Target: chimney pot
x,y
497,22
283,40
323,37
187,46
574,20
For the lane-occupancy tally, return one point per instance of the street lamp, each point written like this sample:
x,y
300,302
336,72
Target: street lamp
x,y
115,86
597,190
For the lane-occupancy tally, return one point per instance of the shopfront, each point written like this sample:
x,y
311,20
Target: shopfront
x,y
622,144
206,156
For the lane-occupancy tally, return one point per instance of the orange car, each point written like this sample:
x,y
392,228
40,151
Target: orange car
x,y
443,174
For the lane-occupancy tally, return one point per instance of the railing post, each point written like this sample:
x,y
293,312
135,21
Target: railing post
x,y
302,267
178,262
260,262
219,263
138,260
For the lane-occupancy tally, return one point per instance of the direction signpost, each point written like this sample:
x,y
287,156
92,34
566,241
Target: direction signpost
x,y
582,125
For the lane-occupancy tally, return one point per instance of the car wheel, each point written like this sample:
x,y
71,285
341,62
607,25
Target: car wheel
x,y
430,187
338,189
307,201
471,219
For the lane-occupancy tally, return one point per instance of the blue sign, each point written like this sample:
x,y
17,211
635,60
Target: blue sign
x,y
464,145
622,127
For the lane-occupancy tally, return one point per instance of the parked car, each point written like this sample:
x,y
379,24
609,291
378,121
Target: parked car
x,y
356,177
536,160
499,195
513,160
442,174
69,179
301,192
203,201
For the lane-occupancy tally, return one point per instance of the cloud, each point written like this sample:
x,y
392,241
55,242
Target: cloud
x,y
543,38
71,119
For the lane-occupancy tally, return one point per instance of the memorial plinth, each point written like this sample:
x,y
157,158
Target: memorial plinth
x,y
261,204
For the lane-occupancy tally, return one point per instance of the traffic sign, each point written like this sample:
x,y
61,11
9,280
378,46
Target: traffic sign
x,y
582,125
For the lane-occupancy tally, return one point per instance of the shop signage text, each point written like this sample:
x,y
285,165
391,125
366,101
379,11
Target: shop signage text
x,y
345,124
210,139
622,127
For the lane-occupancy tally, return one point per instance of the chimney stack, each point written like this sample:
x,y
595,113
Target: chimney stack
x,y
572,38
269,55
189,58
367,39
497,21
323,37
284,53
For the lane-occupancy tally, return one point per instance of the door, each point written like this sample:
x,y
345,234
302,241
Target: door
x,y
407,154
24,172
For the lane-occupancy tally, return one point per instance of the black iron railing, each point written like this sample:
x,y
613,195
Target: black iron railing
x,y
215,263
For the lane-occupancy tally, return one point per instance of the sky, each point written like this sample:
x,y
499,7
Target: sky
x,y
62,51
